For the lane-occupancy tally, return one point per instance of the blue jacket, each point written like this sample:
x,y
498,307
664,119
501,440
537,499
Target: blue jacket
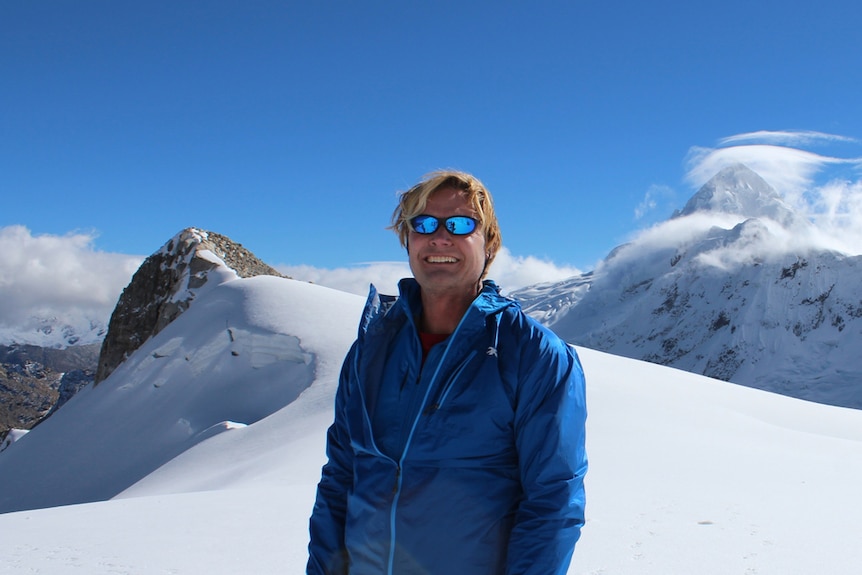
x,y
472,463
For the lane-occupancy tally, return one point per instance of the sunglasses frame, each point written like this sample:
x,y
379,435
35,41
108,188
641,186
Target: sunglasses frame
x,y
442,222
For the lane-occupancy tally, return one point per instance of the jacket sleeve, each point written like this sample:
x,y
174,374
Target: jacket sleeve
x,y
326,550
550,420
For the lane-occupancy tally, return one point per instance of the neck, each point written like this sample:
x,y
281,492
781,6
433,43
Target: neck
x,y
442,312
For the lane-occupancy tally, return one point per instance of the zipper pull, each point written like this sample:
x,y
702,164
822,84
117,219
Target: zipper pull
x,y
397,479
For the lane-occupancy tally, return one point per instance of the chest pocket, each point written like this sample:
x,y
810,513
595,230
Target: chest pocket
x,y
453,379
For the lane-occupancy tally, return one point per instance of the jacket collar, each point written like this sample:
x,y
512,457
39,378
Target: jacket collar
x,y
409,303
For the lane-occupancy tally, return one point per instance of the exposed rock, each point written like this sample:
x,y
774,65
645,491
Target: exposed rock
x,y
33,378
165,285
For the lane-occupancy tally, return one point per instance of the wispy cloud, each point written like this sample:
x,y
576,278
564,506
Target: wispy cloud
x,y
785,137
788,170
783,158
656,198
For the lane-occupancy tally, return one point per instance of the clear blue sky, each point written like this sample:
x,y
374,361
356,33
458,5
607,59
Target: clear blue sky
x,y
290,126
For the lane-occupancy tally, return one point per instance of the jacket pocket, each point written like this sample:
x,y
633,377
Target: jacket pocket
x,y
444,393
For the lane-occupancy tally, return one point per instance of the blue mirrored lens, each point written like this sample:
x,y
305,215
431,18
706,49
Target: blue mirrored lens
x,y
424,224
460,225
456,225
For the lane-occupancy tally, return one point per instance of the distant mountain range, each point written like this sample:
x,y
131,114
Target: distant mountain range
x,y
730,287
56,332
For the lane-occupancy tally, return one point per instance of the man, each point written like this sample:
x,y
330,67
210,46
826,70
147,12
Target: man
x,y
458,441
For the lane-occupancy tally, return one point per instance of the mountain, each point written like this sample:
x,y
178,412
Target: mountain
x,y
35,380
200,454
730,287
190,263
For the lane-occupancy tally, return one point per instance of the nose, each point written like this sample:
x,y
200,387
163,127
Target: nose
x,y
441,234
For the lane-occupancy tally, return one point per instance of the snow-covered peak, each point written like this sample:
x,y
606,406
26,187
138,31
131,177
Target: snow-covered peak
x,y
735,286
739,190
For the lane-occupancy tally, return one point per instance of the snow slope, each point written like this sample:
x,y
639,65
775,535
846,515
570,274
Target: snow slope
x,y
688,474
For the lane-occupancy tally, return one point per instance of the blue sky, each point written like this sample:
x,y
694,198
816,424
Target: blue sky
x,y
291,126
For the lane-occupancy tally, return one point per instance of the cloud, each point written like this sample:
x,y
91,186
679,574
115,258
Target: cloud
x,y
354,279
788,170
836,210
513,272
49,276
665,239
509,271
655,195
786,137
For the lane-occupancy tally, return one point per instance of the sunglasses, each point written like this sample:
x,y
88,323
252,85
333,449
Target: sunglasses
x,y
456,225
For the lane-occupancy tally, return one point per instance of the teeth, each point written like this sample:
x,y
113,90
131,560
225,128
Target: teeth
x,y
441,260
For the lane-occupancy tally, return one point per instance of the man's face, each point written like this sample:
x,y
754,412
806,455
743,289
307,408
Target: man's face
x,y
442,262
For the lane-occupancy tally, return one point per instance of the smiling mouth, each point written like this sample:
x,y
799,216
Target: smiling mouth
x,y
441,260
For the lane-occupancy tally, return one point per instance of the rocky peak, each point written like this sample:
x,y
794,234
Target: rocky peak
x,y
165,286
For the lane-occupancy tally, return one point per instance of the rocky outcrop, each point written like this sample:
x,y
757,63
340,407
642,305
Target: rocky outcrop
x,y
166,284
35,380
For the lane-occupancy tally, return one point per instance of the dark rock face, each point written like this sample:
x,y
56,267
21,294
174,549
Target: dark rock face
x,y
165,285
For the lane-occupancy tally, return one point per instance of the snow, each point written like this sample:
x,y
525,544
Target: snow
x,y
201,453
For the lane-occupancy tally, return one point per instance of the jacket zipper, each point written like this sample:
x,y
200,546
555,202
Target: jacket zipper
x,y
397,479
398,476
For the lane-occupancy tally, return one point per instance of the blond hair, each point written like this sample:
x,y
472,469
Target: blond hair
x,y
412,203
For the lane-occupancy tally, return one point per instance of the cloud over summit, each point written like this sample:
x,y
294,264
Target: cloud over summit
x,y
824,189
